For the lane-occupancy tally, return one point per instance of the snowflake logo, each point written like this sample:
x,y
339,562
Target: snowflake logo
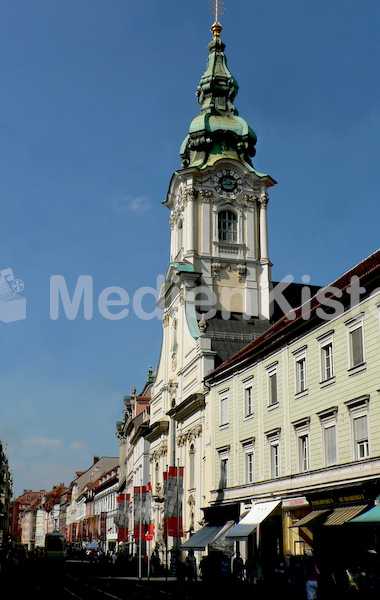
x,y
17,285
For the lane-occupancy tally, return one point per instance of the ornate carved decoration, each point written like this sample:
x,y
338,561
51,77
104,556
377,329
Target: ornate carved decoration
x,y
202,325
215,268
249,201
206,195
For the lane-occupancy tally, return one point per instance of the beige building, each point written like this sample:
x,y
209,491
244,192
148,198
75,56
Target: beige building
x,y
294,436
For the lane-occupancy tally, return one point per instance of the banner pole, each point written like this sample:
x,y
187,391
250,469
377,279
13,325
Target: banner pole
x,y
140,525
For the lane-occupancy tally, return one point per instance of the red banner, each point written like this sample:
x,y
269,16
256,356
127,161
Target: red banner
x,y
139,499
103,526
15,529
173,496
122,518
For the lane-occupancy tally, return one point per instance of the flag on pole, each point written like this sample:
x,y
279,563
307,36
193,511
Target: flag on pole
x,y
173,496
139,501
149,525
122,517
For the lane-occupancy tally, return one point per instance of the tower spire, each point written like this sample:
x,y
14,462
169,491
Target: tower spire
x,y
216,7
218,132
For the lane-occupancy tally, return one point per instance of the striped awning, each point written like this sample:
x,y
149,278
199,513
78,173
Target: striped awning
x,y
314,517
341,515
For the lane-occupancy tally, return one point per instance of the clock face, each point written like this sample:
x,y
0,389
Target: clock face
x,y
228,183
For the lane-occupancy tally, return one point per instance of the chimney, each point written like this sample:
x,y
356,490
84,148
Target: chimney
x,y
96,458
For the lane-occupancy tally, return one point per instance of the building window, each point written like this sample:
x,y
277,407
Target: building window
x,y
272,386
248,448
328,420
227,226
355,342
358,409
180,236
300,370
275,459
274,452
223,409
302,429
248,401
356,347
303,452
224,457
192,467
329,443
361,443
301,375
327,361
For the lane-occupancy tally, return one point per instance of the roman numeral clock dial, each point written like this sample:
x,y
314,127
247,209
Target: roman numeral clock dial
x,y
228,183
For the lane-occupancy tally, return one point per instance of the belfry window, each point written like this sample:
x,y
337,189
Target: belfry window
x,y
227,226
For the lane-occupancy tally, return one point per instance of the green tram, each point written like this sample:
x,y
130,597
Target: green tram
x,y
55,546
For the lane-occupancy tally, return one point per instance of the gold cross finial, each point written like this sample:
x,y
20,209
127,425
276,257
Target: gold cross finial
x,y
216,7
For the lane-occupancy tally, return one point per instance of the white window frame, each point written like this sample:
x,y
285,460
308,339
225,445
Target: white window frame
x,y
249,461
224,468
359,408
223,408
353,325
248,399
300,371
192,467
273,438
272,371
231,234
327,371
302,430
328,419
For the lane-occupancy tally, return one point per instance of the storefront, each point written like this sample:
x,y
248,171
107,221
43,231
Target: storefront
x,y
327,526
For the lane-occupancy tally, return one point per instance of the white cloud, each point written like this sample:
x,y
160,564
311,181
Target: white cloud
x,y
138,204
78,446
42,442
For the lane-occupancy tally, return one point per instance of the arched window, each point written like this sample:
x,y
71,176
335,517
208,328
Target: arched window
x,y
180,235
227,226
192,467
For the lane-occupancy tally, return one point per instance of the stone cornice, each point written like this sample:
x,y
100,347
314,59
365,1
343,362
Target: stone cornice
x,y
192,404
157,429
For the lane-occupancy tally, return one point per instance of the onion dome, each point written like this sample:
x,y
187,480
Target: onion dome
x,y
218,132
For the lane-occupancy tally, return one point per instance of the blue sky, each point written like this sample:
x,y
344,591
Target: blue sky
x,y
96,98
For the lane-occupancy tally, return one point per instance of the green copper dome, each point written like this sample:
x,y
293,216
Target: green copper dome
x,y
218,132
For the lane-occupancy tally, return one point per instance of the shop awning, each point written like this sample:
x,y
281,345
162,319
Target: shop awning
x,y
370,517
256,515
203,537
221,543
341,515
314,517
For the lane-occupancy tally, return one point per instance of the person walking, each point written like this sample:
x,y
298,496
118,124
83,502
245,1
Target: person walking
x,y
191,566
311,573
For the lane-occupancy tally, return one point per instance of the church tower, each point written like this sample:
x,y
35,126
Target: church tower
x,y
215,297
218,201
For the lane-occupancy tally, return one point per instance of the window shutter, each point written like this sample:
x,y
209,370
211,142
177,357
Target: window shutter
x,y
330,445
273,386
357,346
360,428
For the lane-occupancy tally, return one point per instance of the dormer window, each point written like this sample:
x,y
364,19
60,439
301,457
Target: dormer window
x,y
227,226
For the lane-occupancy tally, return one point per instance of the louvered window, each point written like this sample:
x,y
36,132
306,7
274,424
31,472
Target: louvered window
x,y
361,437
356,347
330,445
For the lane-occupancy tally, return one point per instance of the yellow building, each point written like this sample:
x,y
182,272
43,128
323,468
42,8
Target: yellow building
x,y
294,440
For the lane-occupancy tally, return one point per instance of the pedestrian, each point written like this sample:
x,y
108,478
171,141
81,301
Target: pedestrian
x,y
311,573
238,566
191,566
